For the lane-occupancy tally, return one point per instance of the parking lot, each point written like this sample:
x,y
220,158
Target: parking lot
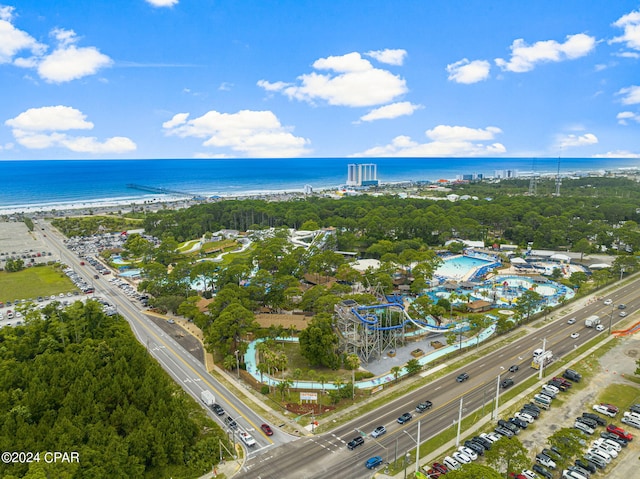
x,y
17,242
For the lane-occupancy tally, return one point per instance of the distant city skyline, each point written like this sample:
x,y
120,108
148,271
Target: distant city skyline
x,y
310,79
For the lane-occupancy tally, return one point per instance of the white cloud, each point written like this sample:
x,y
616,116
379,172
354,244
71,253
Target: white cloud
x,y
256,134
49,118
68,62
162,3
623,116
631,95
12,40
630,23
618,154
352,81
388,56
394,110
525,57
462,133
464,71
570,141
457,141
40,128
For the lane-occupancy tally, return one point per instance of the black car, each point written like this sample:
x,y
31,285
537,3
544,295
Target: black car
x,y
561,386
586,465
406,417
514,368
622,306
355,442
580,471
484,442
506,383
218,409
423,406
503,431
595,417
532,406
542,471
588,421
635,408
475,447
506,424
572,375
230,422
519,422
531,412
462,377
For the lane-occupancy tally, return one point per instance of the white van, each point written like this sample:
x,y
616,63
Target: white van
x,y
552,388
567,474
549,392
451,463
600,453
583,427
609,443
631,421
543,398
538,352
603,447
542,404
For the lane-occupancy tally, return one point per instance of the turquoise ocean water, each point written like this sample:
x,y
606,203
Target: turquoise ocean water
x,y
52,182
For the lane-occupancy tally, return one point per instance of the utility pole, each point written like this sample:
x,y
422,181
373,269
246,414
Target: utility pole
x,y
418,450
459,423
544,349
495,410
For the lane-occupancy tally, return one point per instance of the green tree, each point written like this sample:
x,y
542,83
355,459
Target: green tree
x,y
413,367
507,455
396,370
474,471
226,332
318,342
568,442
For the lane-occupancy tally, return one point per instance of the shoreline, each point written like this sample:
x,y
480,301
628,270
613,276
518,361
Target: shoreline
x,y
152,202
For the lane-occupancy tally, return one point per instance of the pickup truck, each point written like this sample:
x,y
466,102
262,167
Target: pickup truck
x,y
247,439
423,406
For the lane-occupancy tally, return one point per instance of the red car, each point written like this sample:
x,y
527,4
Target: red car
x,y
433,474
266,429
564,381
441,468
611,407
618,431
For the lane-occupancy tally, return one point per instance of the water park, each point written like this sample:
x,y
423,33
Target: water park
x,y
385,334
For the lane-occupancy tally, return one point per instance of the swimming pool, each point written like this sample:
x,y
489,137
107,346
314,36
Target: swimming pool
x,y
130,273
459,267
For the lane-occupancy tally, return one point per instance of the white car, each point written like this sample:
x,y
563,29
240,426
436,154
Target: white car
x,y
575,335
603,410
529,474
608,301
599,327
247,439
468,452
492,437
461,457
571,321
524,417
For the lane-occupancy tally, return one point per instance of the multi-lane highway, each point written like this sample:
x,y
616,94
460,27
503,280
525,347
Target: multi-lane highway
x,y
326,455
183,367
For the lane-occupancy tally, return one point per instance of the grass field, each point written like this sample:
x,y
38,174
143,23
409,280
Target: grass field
x,y
33,282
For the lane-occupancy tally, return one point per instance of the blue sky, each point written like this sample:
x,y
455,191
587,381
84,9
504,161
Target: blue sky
x,y
300,78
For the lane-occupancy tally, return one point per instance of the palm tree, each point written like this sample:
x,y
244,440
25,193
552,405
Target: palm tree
x,y
396,372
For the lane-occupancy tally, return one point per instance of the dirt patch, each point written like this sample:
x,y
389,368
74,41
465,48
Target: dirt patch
x,y
308,408
297,321
613,368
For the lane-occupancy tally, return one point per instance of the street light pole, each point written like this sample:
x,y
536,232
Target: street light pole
x,y
611,316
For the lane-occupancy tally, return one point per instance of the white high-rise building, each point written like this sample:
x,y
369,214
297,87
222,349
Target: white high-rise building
x,y
362,174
